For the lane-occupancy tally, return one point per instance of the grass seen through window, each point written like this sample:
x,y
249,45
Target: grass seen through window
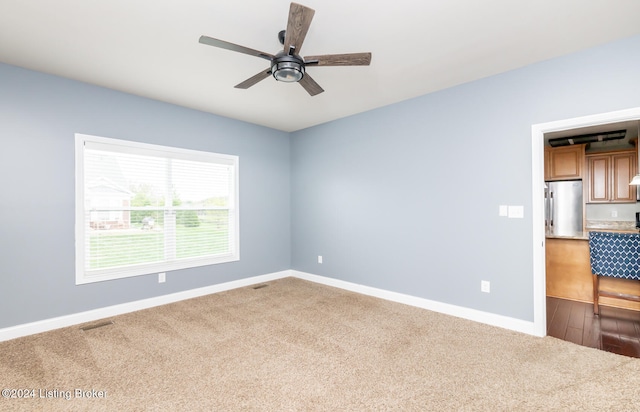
x,y
138,245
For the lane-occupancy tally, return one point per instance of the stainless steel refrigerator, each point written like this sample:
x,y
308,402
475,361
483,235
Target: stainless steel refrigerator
x,y
563,207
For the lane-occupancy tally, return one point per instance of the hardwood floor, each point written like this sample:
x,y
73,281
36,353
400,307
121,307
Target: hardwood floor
x,y
615,330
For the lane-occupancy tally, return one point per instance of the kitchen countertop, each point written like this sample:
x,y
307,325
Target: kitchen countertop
x,y
597,225
577,236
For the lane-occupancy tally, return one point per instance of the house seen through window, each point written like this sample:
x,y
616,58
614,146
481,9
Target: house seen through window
x,y
144,208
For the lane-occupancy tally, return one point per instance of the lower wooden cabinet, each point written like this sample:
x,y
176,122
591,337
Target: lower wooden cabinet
x,y
568,269
569,275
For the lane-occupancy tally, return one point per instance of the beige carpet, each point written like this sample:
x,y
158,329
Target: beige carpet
x,y
298,346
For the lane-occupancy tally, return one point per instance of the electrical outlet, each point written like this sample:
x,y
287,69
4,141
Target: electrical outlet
x,y
319,259
485,286
614,213
162,277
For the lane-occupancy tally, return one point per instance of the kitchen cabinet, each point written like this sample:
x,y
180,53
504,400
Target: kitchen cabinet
x,y
564,163
568,269
608,176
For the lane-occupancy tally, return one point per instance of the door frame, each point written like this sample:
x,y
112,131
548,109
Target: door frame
x,y
537,209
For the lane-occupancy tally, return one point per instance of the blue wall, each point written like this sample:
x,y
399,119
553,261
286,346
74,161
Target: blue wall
x,y
39,115
405,198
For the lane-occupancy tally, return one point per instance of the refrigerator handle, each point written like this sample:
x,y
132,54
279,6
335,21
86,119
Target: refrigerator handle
x,y
551,209
546,206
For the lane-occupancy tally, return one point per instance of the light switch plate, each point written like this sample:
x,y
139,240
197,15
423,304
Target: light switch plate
x,y
503,211
516,212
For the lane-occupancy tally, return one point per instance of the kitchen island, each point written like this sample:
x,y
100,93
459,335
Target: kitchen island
x,y
568,270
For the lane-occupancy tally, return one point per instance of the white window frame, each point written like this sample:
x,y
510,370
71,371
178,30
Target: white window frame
x,y
83,275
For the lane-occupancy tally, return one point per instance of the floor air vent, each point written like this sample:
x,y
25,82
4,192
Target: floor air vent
x,y
260,286
96,325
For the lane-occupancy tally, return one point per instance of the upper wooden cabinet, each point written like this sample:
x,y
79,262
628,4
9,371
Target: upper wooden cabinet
x,y
564,163
608,176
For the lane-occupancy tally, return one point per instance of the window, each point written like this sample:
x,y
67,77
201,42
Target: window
x,y
144,208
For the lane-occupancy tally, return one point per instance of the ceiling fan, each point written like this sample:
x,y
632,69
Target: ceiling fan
x,y
287,65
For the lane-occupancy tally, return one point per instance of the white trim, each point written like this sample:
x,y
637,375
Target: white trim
x,y
445,308
537,209
537,154
93,315
96,314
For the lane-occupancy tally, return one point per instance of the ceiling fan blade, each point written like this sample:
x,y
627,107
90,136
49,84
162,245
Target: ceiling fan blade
x,y
297,27
310,85
349,59
234,47
253,80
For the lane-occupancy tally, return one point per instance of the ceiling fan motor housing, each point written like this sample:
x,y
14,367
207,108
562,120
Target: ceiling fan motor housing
x,y
287,68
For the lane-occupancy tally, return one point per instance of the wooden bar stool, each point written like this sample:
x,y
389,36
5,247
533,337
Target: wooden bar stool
x,y
616,255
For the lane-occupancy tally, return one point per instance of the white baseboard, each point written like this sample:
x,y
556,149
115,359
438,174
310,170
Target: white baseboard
x,y
445,308
93,315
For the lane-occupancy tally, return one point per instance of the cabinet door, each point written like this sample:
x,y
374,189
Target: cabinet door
x,y
624,168
598,167
566,162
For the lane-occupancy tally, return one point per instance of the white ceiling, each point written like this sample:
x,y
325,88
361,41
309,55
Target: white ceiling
x,y
150,47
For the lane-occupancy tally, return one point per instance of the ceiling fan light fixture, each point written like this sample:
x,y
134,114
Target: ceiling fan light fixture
x,y
288,68
287,71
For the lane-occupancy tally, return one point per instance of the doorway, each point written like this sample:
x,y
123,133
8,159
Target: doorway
x,y
538,132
